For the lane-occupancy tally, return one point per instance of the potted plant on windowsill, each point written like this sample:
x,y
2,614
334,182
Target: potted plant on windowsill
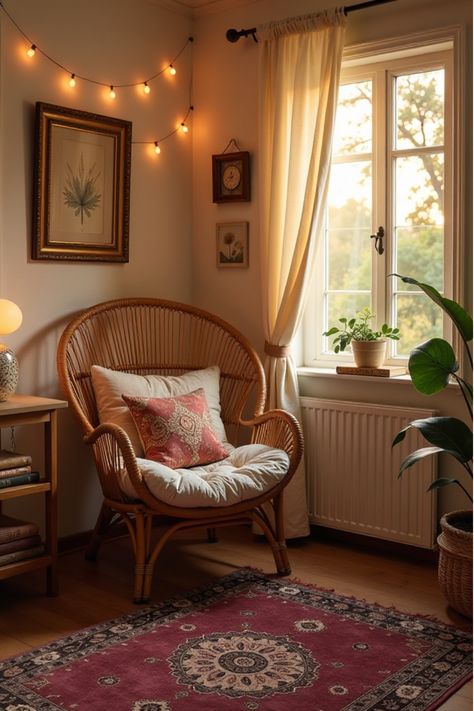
x,y
368,345
432,365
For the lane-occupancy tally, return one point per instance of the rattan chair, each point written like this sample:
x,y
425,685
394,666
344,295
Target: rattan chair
x,y
147,336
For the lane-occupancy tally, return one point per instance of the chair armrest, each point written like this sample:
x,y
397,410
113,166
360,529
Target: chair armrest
x,y
113,452
279,429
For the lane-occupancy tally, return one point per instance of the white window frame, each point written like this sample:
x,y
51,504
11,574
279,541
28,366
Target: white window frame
x,y
439,46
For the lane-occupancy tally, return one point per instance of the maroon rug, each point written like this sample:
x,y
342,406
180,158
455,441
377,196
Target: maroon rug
x,y
249,642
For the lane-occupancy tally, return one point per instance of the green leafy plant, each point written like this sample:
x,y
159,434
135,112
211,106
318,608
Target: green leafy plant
x,y
432,365
359,329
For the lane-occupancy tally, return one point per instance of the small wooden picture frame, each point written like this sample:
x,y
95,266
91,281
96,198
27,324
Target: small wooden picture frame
x,y
232,245
231,177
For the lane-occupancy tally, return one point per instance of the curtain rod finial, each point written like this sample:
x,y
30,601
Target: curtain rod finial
x,y
232,35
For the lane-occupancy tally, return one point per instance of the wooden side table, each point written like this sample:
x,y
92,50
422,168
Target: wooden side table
x,y
30,410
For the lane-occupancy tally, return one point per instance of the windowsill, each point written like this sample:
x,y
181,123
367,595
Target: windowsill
x,y
331,373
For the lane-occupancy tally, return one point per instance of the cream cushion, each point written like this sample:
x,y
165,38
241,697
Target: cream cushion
x,y
109,386
247,472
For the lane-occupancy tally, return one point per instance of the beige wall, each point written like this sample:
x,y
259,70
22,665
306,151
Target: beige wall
x,y
119,41
226,80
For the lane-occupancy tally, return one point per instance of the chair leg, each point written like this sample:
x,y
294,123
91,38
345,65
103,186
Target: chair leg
x,y
140,558
283,562
212,535
103,521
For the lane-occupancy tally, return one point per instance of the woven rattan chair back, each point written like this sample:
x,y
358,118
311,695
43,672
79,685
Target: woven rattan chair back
x,y
153,336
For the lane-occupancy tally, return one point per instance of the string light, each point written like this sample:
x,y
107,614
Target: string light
x,y
72,81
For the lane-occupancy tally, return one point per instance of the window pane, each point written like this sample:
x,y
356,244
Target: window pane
x,y
419,190
420,254
349,259
420,109
353,130
418,319
350,196
347,305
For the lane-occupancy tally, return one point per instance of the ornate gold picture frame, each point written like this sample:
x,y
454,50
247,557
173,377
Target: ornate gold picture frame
x,y
81,197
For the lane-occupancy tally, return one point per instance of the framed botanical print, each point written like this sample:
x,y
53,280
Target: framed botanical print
x,y
232,248
81,185
231,177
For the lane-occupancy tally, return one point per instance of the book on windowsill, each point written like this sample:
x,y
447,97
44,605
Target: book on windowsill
x,y
388,371
30,478
10,460
13,529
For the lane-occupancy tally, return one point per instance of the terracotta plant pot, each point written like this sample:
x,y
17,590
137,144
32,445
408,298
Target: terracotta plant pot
x,y
455,560
368,354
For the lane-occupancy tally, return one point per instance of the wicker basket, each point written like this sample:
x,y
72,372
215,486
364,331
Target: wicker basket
x,y
455,562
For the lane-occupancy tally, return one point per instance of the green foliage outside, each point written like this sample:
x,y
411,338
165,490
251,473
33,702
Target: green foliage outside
x,y
419,231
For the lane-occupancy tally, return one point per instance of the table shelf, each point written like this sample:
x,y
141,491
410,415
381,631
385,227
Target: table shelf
x,y
31,410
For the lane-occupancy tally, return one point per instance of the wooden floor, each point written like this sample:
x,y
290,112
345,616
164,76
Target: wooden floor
x,y
95,592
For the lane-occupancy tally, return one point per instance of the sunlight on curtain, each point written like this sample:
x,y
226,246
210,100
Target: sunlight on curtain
x,y
300,61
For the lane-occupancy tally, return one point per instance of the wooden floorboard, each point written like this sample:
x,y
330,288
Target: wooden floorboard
x,y
93,592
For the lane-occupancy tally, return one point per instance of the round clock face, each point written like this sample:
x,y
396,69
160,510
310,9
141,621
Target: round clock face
x,y
231,177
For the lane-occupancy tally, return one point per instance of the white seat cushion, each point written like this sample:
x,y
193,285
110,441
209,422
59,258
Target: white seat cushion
x,y
248,471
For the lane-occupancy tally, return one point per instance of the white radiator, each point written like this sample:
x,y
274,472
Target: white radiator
x,y
352,470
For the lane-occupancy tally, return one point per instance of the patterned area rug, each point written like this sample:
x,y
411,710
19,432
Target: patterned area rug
x,y
249,643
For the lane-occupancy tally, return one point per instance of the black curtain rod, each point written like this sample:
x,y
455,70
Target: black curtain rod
x,y
234,35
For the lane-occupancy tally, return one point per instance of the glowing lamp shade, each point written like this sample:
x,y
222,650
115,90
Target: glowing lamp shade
x,y
10,320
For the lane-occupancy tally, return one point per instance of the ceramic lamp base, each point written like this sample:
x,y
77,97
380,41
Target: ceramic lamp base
x,y
8,373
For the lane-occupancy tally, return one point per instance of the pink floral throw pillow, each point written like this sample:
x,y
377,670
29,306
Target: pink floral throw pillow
x,y
176,431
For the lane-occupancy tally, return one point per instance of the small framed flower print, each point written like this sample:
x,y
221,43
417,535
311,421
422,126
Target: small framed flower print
x,y
232,247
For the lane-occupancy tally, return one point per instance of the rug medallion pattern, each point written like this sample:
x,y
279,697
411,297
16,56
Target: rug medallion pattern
x,y
247,643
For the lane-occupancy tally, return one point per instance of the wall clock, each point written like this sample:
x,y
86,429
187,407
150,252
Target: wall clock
x,y
231,177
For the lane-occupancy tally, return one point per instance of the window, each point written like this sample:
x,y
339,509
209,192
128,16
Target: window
x,y
392,178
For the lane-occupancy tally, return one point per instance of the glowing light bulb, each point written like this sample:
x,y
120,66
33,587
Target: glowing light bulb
x,y
112,93
72,81
171,70
184,128
146,88
157,148
31,51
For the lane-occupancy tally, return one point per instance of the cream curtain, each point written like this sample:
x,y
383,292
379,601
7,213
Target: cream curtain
x,y
300,61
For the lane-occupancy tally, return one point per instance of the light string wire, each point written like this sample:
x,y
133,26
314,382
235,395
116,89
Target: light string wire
x,y
110,85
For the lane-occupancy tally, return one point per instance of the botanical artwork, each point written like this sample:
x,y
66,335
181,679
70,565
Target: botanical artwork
x,y
81,185
232,244
80,191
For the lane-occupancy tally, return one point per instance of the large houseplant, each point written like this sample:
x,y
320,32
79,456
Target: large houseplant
x,y
432,365
368,344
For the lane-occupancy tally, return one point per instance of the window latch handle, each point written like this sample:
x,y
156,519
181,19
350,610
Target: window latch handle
x,y
379,240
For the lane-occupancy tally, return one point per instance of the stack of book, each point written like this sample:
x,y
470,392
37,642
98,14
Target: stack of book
x,y
15,469
19,540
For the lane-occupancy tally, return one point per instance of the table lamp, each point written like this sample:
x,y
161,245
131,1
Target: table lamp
x,y
10,319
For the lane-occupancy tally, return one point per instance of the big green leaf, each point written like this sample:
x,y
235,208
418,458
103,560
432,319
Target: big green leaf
x,y
415,457
449,434
461,319
431,364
